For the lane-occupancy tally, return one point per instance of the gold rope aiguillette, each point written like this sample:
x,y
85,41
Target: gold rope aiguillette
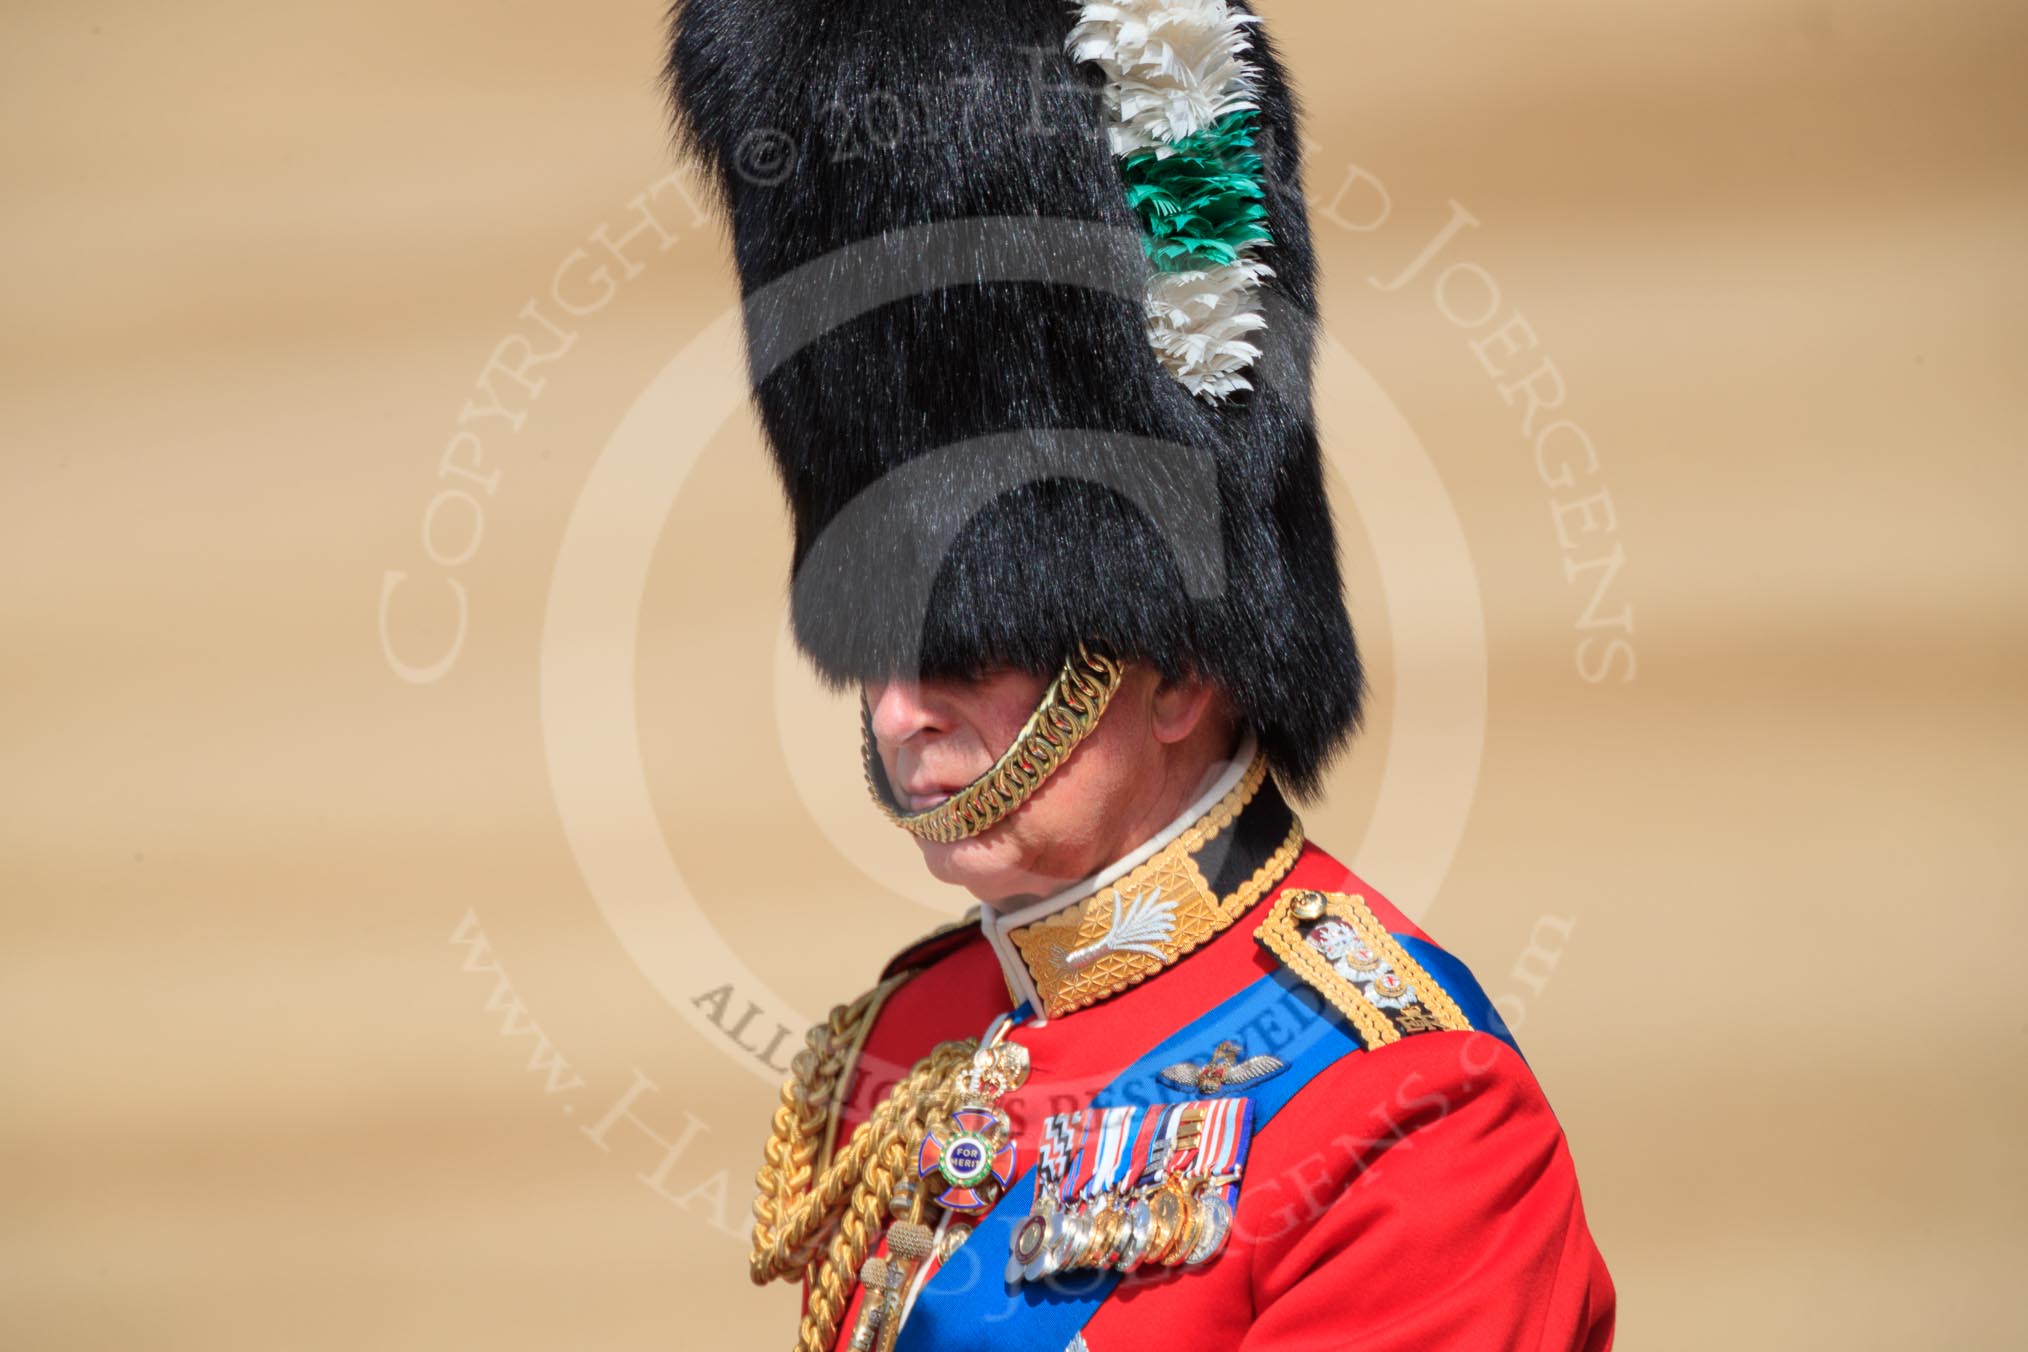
x,y
824,1225
1069,711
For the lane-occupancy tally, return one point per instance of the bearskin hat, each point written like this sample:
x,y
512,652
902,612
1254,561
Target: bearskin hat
x,y
1030,301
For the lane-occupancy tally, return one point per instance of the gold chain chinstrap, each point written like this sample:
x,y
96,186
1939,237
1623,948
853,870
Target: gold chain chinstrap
x,y
1066,716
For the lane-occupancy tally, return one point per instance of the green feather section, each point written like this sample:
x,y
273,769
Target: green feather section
x,y
1201,197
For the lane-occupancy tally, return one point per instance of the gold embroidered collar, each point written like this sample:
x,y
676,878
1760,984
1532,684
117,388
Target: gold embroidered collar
x,y
1124,924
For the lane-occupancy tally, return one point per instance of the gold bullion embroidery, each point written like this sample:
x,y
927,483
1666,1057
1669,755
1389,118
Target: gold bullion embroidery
x,y
1285,933
1157,913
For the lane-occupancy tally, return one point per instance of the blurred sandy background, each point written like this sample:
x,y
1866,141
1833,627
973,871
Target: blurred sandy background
x,y
257,260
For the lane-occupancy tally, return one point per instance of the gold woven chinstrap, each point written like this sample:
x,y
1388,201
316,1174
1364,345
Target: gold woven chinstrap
x,y
842,1210
1070,709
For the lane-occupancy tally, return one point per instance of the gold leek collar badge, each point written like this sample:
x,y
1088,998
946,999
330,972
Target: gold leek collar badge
x,y
1154,915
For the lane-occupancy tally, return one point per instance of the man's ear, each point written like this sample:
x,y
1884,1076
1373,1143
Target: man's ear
x,y
1180,707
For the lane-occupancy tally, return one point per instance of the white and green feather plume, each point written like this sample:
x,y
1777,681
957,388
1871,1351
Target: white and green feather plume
x,y
1181,94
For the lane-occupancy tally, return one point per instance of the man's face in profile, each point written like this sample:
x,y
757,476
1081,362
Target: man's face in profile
x,y
936,736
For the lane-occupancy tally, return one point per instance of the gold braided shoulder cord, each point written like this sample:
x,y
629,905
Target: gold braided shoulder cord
x,y
804,1134
805,1121
842,1208
845,1055
1066,716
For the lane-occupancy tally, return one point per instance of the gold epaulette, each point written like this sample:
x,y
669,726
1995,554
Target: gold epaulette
x,y
1341,950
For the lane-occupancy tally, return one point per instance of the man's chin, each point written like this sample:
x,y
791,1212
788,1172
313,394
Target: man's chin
x,y
991,870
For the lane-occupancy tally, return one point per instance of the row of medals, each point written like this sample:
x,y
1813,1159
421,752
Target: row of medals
x,y
1174,1223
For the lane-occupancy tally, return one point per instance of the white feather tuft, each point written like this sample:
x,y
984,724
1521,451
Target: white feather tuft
x,y
1173,67
1201,323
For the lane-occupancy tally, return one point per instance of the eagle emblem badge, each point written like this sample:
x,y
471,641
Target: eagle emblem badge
x,y
1225,1070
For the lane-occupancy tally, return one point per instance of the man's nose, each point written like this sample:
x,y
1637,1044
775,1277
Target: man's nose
x,y
900,711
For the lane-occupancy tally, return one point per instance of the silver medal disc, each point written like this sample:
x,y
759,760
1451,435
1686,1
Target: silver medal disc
x,y
1140,1224
1216,1214
1035,1264
1068,1231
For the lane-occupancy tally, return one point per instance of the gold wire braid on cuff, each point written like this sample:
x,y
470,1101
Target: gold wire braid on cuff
x,y
1068,713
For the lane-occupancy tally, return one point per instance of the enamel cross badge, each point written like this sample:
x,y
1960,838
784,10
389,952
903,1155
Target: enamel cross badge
x,y
972,1155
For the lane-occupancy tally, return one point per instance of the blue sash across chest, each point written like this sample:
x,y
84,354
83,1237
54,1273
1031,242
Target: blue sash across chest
x,y
967,1306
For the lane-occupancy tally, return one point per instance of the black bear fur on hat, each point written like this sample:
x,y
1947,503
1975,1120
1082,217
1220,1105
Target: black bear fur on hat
x,y
985,460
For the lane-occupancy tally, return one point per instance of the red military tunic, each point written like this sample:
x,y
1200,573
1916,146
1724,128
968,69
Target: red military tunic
x,y
1412,1196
